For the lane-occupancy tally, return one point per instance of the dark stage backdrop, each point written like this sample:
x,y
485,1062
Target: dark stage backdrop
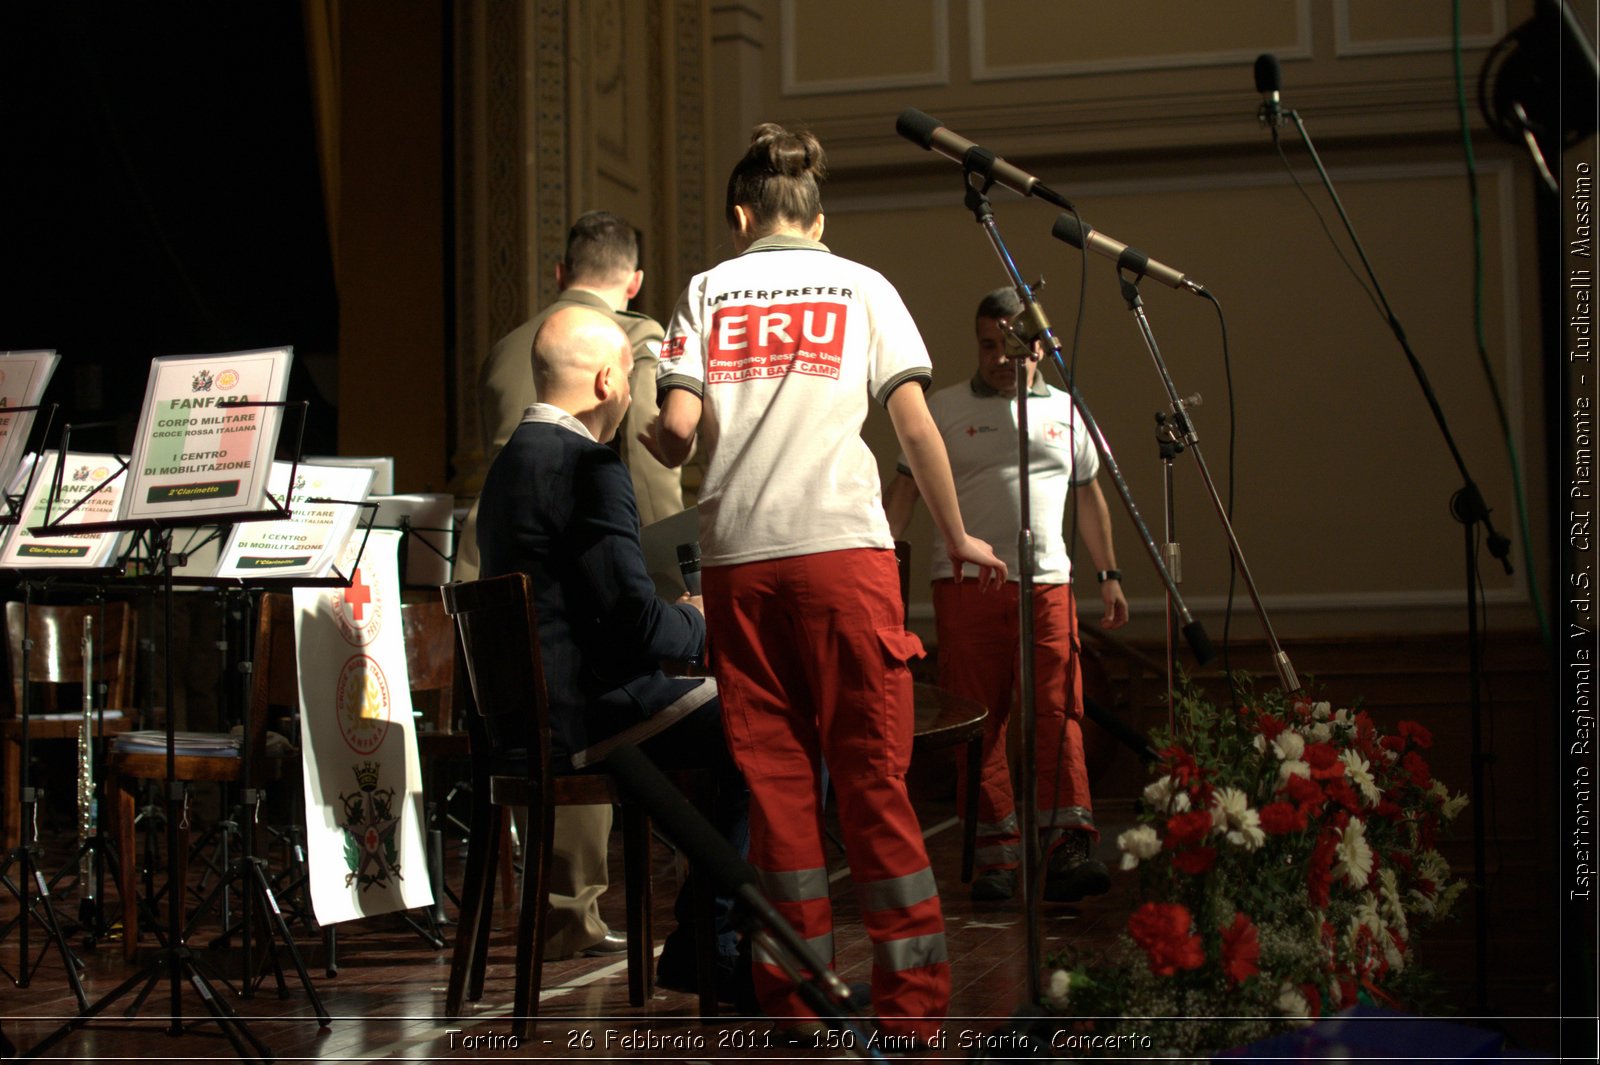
x,y
159,195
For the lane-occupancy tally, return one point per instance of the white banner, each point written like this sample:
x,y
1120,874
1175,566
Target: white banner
x,y
364,812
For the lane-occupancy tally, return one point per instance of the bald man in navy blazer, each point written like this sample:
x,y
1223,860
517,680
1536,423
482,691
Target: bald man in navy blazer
x,y
558,504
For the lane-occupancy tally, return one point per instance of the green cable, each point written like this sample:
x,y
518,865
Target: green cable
x,y
1482,339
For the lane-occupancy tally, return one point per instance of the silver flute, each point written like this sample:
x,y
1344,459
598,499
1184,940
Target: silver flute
x,y
87,813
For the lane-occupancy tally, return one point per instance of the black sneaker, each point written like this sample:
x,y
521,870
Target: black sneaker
x,y
994,885
1071,872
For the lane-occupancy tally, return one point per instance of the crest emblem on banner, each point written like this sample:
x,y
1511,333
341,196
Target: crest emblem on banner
x,y
370,820
362,704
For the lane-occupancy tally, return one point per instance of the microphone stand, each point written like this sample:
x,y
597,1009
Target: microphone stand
x,y
1030,326
1183,429
1467,506
1169,442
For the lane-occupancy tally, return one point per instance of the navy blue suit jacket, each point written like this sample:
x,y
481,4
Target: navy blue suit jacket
x,y
560,507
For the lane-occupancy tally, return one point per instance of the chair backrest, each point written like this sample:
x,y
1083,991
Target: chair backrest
x,y
274,677
430,660
499,630
57,654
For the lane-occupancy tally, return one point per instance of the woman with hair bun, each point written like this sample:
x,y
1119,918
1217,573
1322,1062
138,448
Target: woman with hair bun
x,y
770,361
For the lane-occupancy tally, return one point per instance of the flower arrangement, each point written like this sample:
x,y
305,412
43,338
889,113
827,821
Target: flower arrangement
x,y
1286,861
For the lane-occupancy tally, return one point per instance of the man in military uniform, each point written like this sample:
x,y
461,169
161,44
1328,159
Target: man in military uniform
x,y
600,271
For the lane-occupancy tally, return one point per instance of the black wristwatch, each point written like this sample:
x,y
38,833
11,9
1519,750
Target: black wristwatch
x,y
1108,575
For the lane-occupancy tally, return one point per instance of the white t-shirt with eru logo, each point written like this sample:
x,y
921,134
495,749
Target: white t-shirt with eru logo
x,y
785,345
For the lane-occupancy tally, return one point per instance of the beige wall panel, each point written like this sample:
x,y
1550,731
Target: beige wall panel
x,y
1343,481
1024,38
1073,80
848,46
1376,27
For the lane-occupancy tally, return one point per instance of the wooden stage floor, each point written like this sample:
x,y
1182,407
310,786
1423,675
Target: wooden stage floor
x,y
387,1000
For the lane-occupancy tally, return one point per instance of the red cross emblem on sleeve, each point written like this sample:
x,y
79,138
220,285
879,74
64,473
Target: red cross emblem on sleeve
x,y
1053,432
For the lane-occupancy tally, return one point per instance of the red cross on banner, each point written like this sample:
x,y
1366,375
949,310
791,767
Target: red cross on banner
x,y
357,596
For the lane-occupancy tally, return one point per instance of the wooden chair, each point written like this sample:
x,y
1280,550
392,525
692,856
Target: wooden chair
x,y
510,726
944,720
271,685
56,660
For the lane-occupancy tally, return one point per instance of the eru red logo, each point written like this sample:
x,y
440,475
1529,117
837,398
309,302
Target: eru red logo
x,y
752,342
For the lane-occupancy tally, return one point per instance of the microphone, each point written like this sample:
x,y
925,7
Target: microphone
x,y
929,133
1269,81
689,566
1067,228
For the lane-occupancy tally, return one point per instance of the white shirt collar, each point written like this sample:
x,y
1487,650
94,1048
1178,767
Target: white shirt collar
x,y
551,415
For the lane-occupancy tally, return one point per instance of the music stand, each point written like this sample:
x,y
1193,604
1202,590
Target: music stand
x,y
173,483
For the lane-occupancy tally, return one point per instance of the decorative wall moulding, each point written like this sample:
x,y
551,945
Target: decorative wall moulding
x,y
1185,35
1382,27
815,61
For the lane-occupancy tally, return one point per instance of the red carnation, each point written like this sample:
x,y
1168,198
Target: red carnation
x,y
1241,950
1162,930
1185,830
1279,818
1313,999
1319,866
1269,727
1181,766
1196,861
1303,790
1417,766
1417,734
1342,793
1324,761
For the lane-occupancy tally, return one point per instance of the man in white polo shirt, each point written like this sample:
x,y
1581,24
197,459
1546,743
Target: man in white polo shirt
x,y
978,634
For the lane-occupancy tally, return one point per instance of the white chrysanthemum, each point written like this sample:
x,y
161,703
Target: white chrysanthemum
x,y
1259,742
1060,989
1289,745
1231,813
1293,768
1138,844
1353,855
1320,732
1344,717
1447,899
1291,1003
1321,711
1453,807
1432,866
1389,902
1359,770
1437,789
1163,796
